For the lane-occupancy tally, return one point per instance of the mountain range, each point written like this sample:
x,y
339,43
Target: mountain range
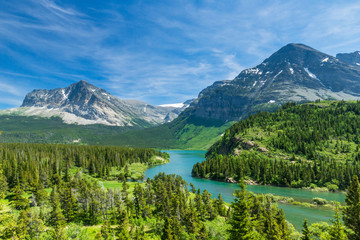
x,y
84,103
294,73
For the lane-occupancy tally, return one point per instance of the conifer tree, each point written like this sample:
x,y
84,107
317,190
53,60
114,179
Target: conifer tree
x,y
17,200
168,233
41,196
241,227
56,218
8,221
139,233
351,213
191,219
106,231
69,204
220,205
306,235
337,229
3,183
122,230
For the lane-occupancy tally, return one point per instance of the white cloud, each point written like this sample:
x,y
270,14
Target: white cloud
x,y
156,50
8,88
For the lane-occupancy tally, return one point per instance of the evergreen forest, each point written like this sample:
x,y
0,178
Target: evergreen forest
x,y
306,146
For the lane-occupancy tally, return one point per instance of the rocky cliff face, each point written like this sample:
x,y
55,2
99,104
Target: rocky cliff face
x,y
84,103
350,58
294,73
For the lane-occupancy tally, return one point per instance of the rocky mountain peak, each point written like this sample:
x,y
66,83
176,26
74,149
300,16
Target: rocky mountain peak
x,y
85,103
295,72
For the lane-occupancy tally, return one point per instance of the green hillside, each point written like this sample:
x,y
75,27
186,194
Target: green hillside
x,y
309,145
183,133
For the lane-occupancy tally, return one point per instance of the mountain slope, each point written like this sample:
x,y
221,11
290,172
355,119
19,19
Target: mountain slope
x,y
294,73
83,103
350,58
298,145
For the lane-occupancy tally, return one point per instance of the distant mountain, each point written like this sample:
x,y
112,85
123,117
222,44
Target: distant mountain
x,y
84,103
294,73
350,58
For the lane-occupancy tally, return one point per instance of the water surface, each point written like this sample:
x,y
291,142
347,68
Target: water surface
x,y
181,163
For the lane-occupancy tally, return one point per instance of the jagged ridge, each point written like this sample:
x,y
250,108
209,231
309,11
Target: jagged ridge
x,y
294,73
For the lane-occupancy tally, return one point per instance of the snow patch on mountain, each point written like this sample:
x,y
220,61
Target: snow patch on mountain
x,y
175,105
325,59
310,73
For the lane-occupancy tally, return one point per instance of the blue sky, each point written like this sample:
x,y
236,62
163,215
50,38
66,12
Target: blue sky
x,y
157,51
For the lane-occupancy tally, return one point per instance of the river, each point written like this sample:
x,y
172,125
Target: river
x,y
181,163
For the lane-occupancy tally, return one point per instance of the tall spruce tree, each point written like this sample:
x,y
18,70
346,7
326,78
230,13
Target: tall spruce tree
x,y
351,213
306,235
56,218
241,226
3,183
337,229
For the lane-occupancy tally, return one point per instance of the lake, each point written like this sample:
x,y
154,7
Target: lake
x,y
181,162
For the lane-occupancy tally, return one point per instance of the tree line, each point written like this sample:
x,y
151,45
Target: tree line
x,y
320,142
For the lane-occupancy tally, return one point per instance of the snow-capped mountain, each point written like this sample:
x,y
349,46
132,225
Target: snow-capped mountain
x,y
296,72
84,103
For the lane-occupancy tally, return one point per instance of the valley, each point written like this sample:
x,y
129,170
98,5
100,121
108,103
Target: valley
x,y
283,127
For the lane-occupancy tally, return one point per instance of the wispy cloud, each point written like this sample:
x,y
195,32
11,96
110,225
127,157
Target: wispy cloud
x,y
163,51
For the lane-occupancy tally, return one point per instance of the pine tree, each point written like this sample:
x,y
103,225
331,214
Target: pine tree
x,y
306,235
191,219
241,227
337,229
17,200
106,231
139,233
220,206
9,222
56,218
41,196
69,204
167,231
122,230
351,213
3,183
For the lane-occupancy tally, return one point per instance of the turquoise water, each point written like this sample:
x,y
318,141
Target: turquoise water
x,y
181,163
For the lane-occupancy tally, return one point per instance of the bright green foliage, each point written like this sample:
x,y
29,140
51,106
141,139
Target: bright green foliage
x,y
122,230
256,217
306,235
41,196
351,213
17,200
300,145
241,226
219,205
168,233
8,224
158,208
337,229
69,203
56,218
3,183
106,232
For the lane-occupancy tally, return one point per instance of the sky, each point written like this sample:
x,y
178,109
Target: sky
x,y
159,52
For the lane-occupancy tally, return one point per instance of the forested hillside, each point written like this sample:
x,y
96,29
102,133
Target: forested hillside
x,y
309,145
182,133
63,192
